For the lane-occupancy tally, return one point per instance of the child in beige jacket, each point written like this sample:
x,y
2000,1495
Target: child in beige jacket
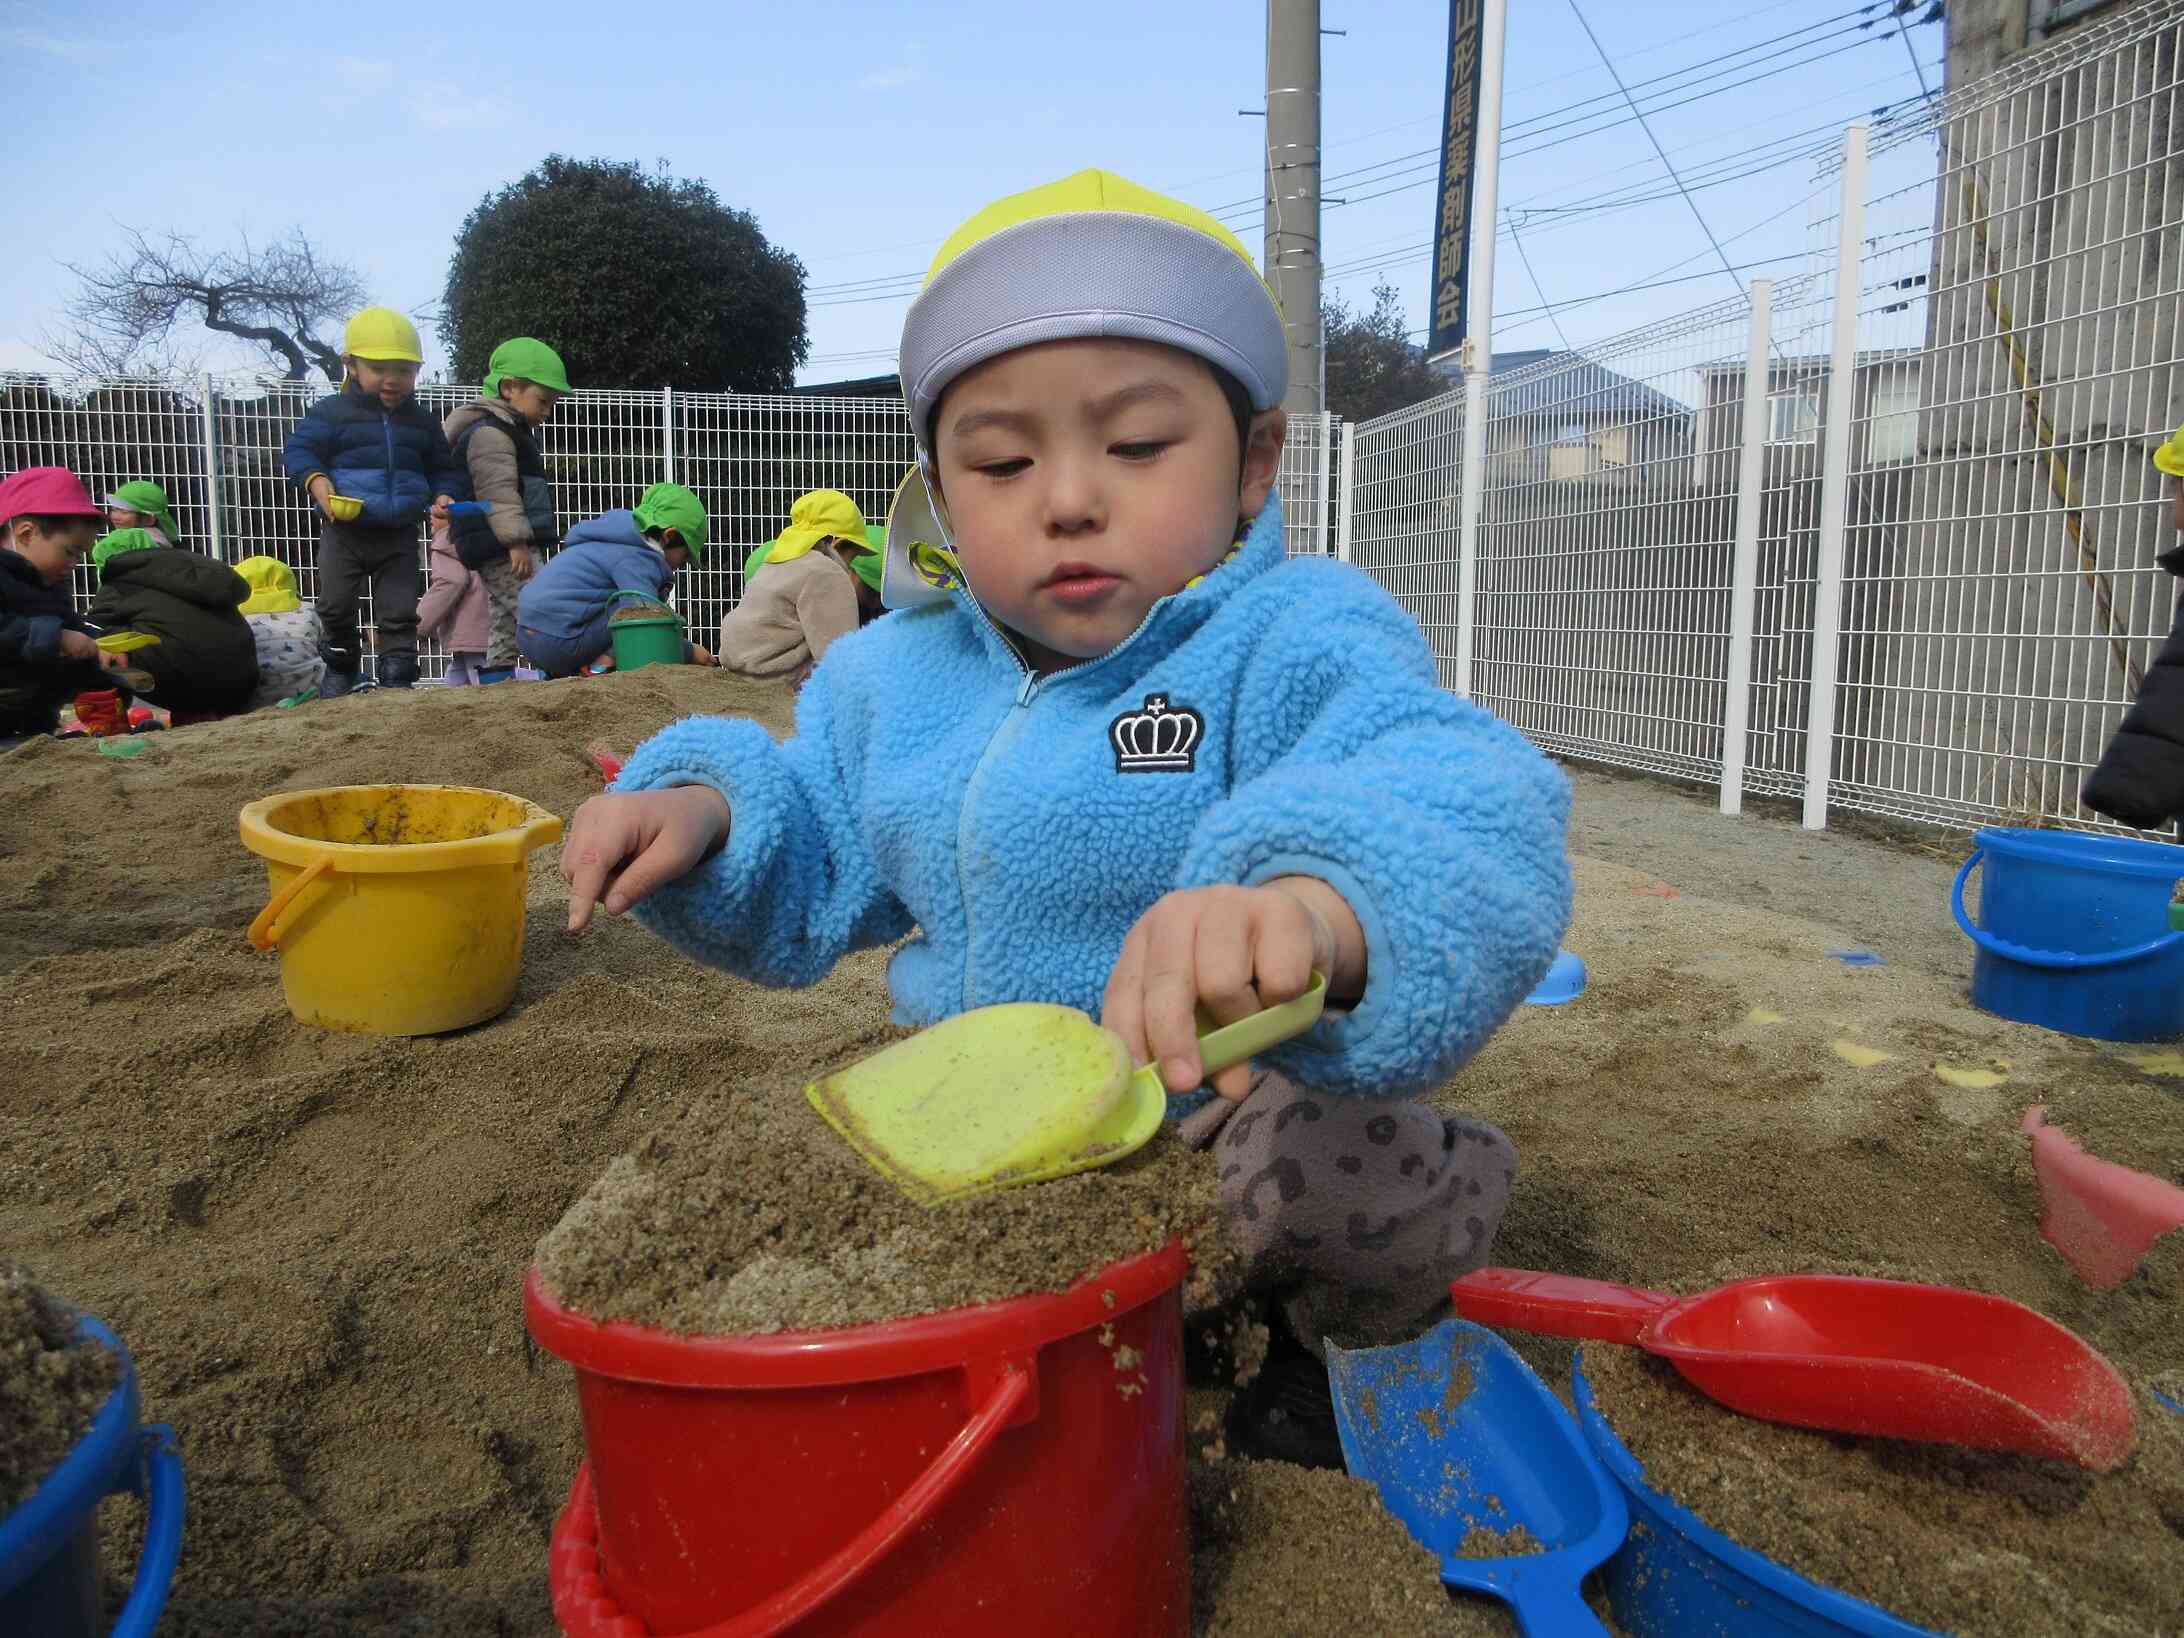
x,y
804,596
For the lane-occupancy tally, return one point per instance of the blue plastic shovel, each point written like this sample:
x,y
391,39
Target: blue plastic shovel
x,y
1457,1433
468,509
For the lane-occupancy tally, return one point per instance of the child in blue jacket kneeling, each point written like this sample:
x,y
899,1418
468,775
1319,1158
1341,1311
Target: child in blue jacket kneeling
x,y
564,612
1125,754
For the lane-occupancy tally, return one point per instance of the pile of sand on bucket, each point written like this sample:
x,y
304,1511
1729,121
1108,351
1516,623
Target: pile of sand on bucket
x,y
52,1382
747,1214
314,1244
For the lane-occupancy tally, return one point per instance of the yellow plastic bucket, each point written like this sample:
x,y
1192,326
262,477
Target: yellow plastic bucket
x,y
397,909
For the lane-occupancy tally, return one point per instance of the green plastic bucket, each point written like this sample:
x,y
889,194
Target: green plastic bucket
x,y
646,639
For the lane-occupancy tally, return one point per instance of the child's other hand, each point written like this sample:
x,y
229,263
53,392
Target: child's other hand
x,y
621,849
77,645
521,560
439,513
1234,950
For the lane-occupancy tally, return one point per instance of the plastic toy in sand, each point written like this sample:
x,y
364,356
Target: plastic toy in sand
x,y
49,1545
945,1115
1468,1448
1885,1358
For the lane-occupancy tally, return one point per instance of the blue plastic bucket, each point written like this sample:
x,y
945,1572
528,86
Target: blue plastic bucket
x,y
1675,1576
49,1546
2074,933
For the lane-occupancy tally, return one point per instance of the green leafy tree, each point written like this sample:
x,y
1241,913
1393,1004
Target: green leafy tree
x,y
1372,368
636,279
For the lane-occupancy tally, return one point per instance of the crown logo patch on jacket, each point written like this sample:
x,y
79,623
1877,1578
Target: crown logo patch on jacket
x,y
1162,738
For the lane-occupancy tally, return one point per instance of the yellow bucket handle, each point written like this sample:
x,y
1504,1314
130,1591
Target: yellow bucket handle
x,y
266,930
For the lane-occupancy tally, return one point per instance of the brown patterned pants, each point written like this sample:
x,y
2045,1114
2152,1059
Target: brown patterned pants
x,y
1354,1213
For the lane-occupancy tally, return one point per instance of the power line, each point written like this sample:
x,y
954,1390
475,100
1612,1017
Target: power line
x,y
1538,289
1666,165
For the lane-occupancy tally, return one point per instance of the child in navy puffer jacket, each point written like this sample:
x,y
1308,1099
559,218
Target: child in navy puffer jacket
x,y
375,462
1120,751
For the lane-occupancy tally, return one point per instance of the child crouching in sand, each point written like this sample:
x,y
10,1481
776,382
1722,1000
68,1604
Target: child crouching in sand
x,y
47,652
1137,760
565,614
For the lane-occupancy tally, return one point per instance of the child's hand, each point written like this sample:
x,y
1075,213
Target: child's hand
x,y
521,560
1235,950
439,513
77,645
621,849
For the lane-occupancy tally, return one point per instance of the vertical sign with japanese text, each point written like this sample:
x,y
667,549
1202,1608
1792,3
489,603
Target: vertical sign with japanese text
x,y
1459,148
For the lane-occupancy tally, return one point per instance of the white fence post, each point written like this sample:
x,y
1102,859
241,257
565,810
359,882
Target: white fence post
x,y
1349,477
212,466
1326,476
667,434
1736,712
1842,397
1470,515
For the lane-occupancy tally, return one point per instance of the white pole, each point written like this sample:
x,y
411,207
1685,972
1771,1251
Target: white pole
x,y
1842,391
1326,479
1736,714
1479,339
667,434
212,466
1345,501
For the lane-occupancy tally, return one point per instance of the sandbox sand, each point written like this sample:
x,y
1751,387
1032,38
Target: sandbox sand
x,y
314,1244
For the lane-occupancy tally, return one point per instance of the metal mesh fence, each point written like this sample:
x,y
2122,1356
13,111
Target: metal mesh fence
x,y
215,444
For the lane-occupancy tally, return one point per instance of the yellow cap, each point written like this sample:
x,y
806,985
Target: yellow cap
x,y
814,517
272,586
2170,456
383,336
1086,191
1093,255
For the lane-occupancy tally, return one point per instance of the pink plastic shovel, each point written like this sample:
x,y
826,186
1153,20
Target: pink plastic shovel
x,y
2101,1216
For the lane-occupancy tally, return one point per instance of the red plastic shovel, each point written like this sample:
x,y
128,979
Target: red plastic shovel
x,y
1880,1357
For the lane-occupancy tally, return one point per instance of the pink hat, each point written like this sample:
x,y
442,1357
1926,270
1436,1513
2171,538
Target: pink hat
x,y
45,491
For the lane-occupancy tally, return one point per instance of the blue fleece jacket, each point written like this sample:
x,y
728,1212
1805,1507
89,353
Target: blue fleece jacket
x,y
570,596
1279,718
393,460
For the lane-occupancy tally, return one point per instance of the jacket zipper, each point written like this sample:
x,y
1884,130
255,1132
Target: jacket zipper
x,y
1005,731
386,426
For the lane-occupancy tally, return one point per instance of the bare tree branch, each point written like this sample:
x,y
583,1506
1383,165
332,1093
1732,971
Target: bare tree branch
x,y
126,311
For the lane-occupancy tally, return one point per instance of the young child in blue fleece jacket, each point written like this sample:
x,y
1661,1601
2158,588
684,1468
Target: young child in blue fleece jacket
x,y
1139,760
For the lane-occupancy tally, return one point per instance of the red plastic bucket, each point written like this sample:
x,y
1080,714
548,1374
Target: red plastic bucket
x,y
1011,1468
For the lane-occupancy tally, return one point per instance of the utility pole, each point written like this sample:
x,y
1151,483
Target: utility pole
x,y
1292,260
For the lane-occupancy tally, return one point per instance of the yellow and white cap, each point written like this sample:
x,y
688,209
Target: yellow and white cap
x,y
1091,255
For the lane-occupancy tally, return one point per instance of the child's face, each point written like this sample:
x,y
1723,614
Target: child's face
x,y
54,555
120,517
390,380
531,401
678,557
1086,480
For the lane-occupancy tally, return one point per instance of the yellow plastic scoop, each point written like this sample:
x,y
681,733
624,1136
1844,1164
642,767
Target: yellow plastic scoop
x,y
125,642
342,509
1019,1094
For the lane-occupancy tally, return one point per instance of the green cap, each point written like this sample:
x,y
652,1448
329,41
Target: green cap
x,y
867,566
122,540
671,506
147,497
526,359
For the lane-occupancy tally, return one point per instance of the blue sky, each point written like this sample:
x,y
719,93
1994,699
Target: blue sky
x,y
859,133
